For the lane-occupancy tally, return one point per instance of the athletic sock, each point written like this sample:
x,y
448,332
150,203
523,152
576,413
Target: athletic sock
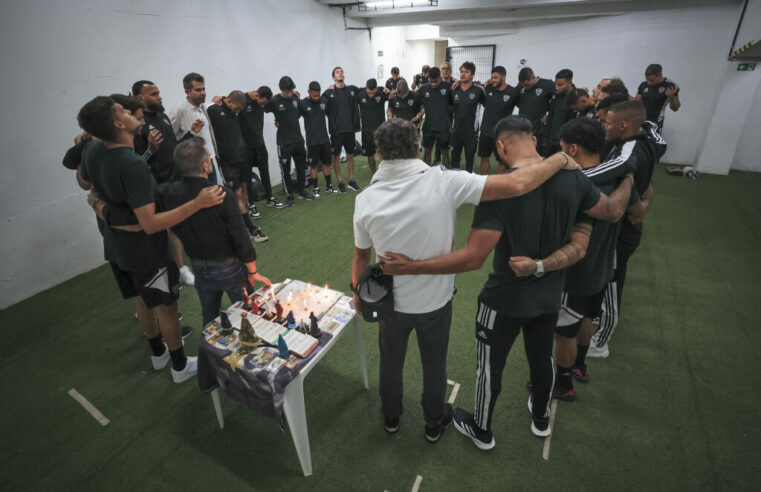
x,y
179,361
327,180
581,355
157,347
565,381
313,182
247,221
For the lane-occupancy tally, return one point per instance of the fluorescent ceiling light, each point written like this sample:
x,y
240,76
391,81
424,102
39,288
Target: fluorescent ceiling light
x,y
397,4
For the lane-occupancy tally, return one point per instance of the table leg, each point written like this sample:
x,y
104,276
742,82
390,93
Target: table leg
x,y
218,407
293,406
361,350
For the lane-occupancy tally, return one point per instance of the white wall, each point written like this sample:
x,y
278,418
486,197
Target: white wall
x,y
748,154
691,44
58,55
408,48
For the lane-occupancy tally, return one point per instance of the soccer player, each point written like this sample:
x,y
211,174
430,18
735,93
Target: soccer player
x,y
657,92
139,256
499,102
535,95
534,237
372,102
466,99
290,142
586,281
252,128
421,78
404,104
559,111
581,104
435,99
314,110
603,82
343,123
393,80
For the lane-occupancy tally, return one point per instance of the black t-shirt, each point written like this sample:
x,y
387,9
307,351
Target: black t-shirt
x,y
449,83
314,113
391,83
559,114
230,145
287,115
420,80
497,105
162,161
436,101
465,108
654,98
372,109
213,233
406,108
590,113
343,113
534,103
122,179
251,120
533,225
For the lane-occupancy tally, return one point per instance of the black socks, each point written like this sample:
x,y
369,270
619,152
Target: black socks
x,y
179,361
581,355
157,347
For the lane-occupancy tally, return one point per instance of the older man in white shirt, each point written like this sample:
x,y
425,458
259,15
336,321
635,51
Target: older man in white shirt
x,y
189,117
410,208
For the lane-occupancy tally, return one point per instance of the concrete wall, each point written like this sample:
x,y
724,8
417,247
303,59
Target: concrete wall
x,y
58,55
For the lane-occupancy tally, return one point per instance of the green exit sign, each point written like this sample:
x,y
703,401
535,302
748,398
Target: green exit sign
x,y
746,67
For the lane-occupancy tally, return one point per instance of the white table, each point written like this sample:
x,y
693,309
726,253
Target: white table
x,y
293,400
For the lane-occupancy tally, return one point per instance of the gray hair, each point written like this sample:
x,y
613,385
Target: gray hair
x,y
189,156
397,139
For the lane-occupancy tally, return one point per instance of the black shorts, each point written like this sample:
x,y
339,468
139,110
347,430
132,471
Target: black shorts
x,y
236,174
487,146
345,140
319,155
155,285
368,143
438,136
574,308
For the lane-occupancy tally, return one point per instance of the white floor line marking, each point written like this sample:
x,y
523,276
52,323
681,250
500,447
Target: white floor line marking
x,y
416,485
454,393
548,439
89,407
449,381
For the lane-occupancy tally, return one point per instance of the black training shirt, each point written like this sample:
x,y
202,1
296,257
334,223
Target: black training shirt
x,y
372,109
497,105
534,102
533,225
465,108
436,101
226,126
251,120
287,115
391,83
559,113
343,113
162,161
654,98
406,108
314,113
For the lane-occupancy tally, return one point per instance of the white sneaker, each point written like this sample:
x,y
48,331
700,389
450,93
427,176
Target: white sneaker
x,y
191,368
186,276
543,429
161,361
598,352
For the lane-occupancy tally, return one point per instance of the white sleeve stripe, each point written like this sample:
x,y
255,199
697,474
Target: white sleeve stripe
x,y
626,152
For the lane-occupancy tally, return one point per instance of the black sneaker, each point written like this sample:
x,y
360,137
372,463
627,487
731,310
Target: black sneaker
x,y
539,427
341,187
433,434
179,315
463,422
316,193
330,190
303,195
272,203
185,331
258,236
354,186
391,424
289,201
563,395
254,212
580,374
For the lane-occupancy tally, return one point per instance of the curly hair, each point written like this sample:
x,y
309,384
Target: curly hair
x,y
397,139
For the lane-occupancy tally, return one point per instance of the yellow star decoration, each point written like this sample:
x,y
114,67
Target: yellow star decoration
x,y
234,359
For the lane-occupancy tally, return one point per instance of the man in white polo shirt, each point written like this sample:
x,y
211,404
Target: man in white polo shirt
x,y
189,119
410,208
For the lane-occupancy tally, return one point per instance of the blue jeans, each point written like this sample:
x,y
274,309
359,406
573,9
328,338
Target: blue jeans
x,y
213,280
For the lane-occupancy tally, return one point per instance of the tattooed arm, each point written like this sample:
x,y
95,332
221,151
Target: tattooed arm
x,y
567,255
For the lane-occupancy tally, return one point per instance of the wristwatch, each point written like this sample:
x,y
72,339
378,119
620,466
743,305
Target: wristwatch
x,y
539,273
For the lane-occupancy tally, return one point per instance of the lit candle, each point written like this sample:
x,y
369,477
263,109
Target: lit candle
x,y
326,291
305,304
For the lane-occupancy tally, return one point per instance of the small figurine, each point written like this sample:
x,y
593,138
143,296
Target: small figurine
x,y
227,327
303,328
278,311
282,348
254,305
314,328
291,319
248,337
246,300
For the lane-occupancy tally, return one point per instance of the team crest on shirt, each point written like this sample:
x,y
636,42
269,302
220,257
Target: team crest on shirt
x,y
472,95
222,113
322,106
295,103
351,93
661,89
377,99
427,94
505,98
443,91
410,102
538,91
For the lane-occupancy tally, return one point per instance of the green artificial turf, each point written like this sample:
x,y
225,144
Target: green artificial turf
x,y
674,407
